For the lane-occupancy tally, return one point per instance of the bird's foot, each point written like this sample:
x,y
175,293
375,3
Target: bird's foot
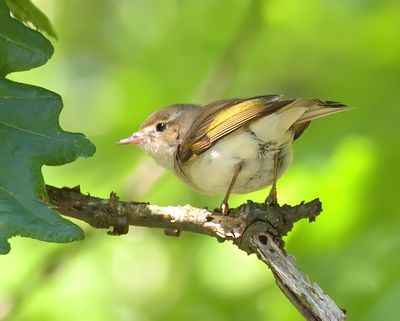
x,y
224,208
272,199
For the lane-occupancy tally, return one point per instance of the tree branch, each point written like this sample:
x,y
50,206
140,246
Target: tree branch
x,y
254,228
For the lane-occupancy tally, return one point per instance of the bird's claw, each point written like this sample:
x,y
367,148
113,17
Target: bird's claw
x,y
224,208
272,199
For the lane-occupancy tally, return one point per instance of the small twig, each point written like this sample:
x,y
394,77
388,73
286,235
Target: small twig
x,y
254,228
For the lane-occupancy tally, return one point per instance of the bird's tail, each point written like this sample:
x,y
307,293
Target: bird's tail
x,y
317,108
312,109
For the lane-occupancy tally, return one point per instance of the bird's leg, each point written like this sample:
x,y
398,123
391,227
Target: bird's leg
x,y
224,208
271,198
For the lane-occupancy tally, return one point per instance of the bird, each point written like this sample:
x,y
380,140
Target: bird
x,y
229,146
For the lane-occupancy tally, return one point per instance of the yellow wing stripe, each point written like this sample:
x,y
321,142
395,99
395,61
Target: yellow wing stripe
x,y
229,120
224,120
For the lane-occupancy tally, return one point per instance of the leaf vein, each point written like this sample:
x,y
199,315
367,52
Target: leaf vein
x,y
32,212
39,134
21,44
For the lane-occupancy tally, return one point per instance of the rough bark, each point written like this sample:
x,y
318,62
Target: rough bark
x,y
254,228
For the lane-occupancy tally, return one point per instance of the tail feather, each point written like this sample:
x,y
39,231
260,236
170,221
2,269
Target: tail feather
x,y
298,129
294,114
314,108
317,108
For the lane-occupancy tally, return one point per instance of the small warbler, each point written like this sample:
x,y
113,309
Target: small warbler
x,y
230,146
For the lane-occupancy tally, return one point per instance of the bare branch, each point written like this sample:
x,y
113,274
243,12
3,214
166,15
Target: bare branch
x,y
254,228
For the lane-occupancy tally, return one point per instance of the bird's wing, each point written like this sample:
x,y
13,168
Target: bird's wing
x,y
223,117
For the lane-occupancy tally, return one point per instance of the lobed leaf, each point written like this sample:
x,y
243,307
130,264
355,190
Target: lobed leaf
x,y
30,137
26,11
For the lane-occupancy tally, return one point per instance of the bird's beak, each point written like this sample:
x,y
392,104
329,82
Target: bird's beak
x,y
136,138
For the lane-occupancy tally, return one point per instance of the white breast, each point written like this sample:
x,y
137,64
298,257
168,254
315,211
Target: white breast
x,y
212,171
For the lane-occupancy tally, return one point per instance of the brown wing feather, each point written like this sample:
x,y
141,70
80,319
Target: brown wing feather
x,y
221,118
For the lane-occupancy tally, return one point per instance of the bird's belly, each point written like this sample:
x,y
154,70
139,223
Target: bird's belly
x,y
212,171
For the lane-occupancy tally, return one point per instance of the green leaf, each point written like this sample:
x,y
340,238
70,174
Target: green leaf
x,y
30,137
26,11
21,48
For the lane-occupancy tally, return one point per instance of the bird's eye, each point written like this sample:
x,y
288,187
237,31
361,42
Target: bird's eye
x,y
160,127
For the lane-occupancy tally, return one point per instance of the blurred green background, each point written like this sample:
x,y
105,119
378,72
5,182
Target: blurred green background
x,y
117,61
